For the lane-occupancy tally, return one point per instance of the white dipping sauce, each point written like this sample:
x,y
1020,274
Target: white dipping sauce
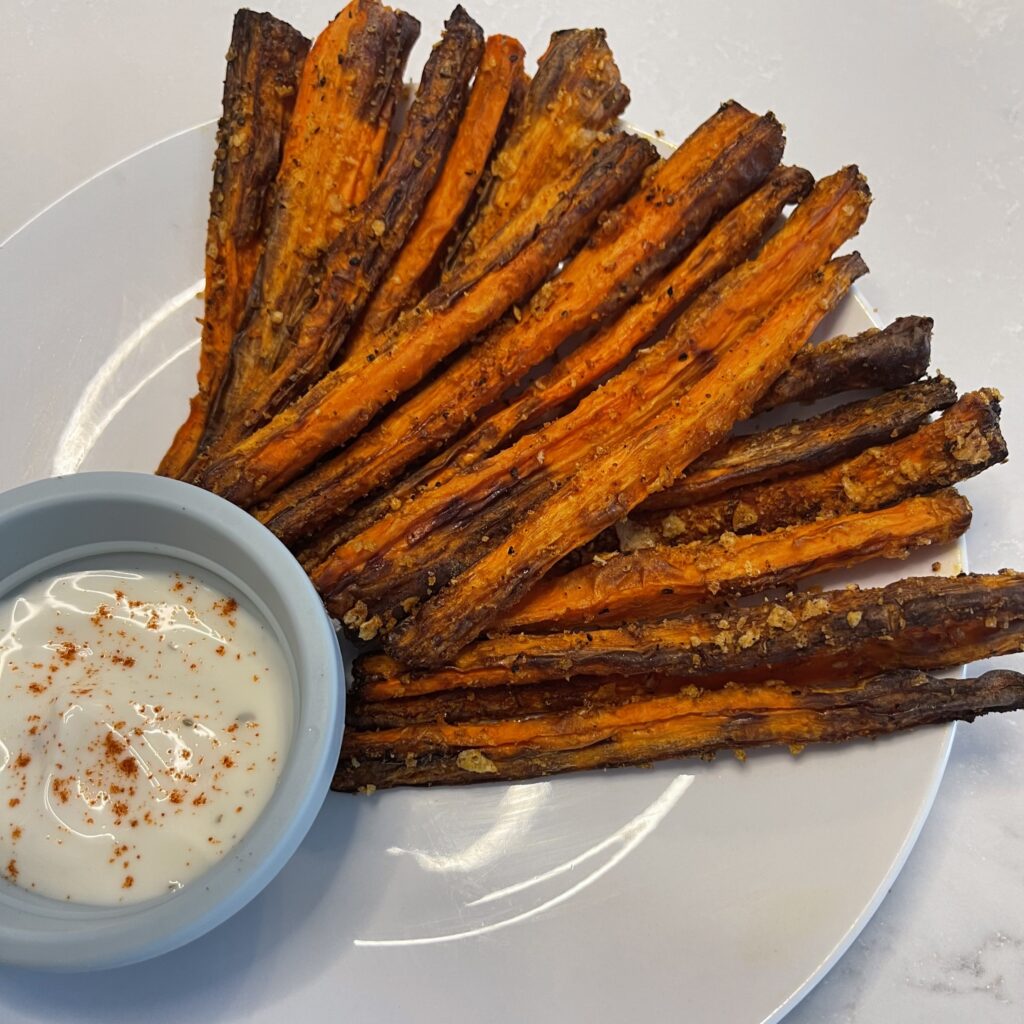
x,y
145,714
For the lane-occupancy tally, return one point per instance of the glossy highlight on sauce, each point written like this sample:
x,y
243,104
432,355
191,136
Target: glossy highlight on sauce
x,y
145,714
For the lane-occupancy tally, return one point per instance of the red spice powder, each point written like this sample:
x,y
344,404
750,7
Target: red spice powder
x,y
67,650
103,612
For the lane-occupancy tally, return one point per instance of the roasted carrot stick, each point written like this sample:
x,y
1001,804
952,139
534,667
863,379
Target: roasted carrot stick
x,y
886,358
500,77
574,97
346,95
962,443
359,256
697,725
719,161
397,585
297,510
610,484
663,580
638,241
344,401
830,215
264,62
931,622
806,445
431,559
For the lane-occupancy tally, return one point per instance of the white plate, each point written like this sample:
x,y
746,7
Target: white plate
x,y
689,891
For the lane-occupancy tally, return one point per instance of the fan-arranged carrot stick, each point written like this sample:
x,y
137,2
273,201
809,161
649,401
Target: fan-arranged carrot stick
x,y
343,106
886,358
399,580
809,444
499,82
264,62
359,256
664,580
293,513
926,622
831,214
612,483
718,164
345,400
959,445
685,725
575,96
448,554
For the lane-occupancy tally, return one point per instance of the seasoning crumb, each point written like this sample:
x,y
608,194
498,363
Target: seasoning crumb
x,y
476,761
781,618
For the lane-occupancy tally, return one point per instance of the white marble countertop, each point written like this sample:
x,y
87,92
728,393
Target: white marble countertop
x,y
928,98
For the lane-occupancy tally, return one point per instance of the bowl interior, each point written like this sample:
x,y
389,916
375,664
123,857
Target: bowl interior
x,y
50,523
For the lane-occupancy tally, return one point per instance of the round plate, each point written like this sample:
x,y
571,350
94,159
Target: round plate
x,y
705,892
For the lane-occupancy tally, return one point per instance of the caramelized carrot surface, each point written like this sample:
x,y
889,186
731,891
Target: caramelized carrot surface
x,y
264,62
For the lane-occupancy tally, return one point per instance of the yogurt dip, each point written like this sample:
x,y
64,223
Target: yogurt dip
x,y
145,714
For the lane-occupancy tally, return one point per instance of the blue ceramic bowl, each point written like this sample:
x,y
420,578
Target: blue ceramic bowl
x,y
46,524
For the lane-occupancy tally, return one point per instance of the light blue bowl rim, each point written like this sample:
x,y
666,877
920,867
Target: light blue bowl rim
x,y
45,933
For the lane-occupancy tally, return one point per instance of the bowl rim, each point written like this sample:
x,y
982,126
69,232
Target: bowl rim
x,y
94,937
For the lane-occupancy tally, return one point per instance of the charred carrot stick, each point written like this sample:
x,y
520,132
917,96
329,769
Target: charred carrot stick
x,y
831,214
663,580
638,241
718,162
343,105
793,449
574,97
886,358
359,256
928,622
806,445
604,424
344,401
685,725
611,484
959,445
658,581
264,62
499,79
299,509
